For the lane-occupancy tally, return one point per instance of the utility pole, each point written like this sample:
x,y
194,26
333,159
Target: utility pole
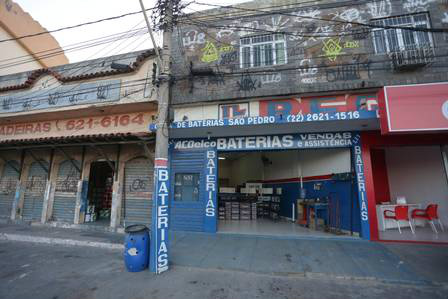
x,y
159,254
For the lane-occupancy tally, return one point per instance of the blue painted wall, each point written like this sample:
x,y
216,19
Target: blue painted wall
x,y
338,190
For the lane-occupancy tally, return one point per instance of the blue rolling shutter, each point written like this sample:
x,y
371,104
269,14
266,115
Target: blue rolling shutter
x,y
8,183
34,192
65,192
136,203
185,214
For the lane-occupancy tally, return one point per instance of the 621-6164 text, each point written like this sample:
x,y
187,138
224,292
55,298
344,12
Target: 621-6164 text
x,y
105,122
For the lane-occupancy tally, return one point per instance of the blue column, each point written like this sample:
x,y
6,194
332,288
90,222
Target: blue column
x,y
361,183
159,254
211,186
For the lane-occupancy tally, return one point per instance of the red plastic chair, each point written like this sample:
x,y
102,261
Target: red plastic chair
x,y
429,214
400,213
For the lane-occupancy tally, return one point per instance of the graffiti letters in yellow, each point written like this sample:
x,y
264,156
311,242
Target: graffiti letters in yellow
x,y
332,49
210,53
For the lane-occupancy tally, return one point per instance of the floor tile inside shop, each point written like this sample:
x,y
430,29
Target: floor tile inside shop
x,y
422,234
266,227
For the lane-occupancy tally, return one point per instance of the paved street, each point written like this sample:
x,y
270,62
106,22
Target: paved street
x,y
37,271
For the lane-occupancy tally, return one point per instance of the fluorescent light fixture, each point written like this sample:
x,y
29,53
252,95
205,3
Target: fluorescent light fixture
x,y
221,158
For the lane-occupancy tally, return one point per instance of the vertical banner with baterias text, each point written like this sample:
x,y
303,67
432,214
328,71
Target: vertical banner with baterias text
x,y
361,183
211,185
159,254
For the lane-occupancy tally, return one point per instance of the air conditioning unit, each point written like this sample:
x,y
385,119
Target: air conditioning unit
x,y
412,58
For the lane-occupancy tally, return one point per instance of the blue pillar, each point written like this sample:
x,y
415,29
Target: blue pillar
x,y
159,254
361,183
211,186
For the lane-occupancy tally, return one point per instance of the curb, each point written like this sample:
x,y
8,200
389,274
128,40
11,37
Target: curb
x,y
320,275
59,241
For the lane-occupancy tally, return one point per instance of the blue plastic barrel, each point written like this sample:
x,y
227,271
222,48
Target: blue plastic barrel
x,y
136,248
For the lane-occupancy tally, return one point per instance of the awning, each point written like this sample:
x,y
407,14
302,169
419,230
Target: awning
x,y
80,140
414,108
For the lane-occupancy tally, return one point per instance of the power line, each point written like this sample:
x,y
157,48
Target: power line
x,y
73,47
295,68
77,48
74,26
434,30
288,49
69,93
85,66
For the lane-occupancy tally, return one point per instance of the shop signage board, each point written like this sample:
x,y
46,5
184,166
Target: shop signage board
x,y
318,105
115,123
284,142
284,111
211,190
269,142
414,108
159,252
61,96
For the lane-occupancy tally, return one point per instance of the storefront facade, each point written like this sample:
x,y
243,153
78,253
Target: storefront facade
x,y
75,149
285,127
290,73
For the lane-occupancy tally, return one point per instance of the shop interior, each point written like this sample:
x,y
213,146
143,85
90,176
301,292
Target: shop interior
x,y
411,192
99,193
288,192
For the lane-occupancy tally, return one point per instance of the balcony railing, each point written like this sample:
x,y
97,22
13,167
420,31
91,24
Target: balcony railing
x,y
417,57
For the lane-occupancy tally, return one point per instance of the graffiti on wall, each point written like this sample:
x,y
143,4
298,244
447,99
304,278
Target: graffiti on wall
x,y
332,48
347,72
248,83
379,8
417,5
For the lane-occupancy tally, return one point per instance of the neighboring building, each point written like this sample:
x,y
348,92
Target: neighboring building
x,y
74,142
293,98
31,53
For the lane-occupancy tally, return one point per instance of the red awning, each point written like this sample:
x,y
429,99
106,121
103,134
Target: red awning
x,y
414,108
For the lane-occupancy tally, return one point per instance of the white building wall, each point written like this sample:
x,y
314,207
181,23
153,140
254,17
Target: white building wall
x,y
285,165
418,174
13,49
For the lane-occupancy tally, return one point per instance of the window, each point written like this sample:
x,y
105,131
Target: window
x,y
186,187
394,40
262,50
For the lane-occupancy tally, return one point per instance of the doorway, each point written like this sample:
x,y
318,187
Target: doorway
x,y
100,193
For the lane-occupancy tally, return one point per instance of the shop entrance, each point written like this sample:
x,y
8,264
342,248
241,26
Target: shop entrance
x,y
288,193
100,193
413,179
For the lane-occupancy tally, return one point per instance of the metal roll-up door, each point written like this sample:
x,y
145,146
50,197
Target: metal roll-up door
x,y
34,192
65,192
137,192
187,214
8,184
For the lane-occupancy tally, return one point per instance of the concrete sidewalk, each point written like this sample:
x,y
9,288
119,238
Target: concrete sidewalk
x,y
348,259
306,257
61,236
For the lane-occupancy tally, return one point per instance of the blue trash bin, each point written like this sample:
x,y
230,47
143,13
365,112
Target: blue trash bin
x,y
136,248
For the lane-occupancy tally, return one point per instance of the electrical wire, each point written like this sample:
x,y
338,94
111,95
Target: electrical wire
x,y
74,26
90,67
270,12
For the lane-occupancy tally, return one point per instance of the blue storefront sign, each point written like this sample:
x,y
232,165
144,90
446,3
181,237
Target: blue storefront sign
x,y
279,119
269,142
64,95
